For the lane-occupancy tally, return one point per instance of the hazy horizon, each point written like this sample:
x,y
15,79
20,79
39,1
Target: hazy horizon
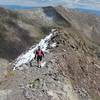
x,y
92,6
86,4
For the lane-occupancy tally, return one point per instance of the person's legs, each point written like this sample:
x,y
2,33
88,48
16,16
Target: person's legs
x,y
39,59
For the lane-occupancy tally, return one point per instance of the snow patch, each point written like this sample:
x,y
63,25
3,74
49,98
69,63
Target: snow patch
x,y
30,54
53,45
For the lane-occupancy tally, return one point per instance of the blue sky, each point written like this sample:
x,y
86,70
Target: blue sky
x,y
87,4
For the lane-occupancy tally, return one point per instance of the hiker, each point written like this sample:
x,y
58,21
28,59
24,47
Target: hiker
x,y
39,54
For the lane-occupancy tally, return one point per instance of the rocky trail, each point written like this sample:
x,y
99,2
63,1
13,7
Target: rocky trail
x,y
50,82
29,82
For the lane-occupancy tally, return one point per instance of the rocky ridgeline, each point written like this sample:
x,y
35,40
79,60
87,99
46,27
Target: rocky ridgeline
x,y
63,75
45,83
52,81
70,69
32,83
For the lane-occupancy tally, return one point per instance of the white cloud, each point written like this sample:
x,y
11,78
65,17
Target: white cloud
x,y
87,4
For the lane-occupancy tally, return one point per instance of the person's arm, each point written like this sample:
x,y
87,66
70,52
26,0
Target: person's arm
x,y
43,53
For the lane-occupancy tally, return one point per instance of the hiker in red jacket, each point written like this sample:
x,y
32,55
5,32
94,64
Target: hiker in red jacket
x,y
39,54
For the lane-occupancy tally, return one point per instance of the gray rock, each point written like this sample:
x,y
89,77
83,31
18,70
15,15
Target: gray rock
x,y
28,93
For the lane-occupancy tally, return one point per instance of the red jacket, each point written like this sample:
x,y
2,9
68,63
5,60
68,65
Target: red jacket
x,y
39,53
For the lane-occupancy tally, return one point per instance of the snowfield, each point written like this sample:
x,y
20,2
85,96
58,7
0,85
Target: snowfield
x,y
26,57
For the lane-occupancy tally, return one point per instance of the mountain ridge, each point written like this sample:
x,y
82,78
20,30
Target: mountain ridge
x,y
71,69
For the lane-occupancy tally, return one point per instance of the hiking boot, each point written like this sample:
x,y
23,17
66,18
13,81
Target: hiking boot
x,y
40,66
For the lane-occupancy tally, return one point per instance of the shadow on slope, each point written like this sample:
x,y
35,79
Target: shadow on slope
x,y
57,18
13,38
11,47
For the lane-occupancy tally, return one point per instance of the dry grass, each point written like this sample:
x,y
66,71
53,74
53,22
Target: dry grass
x,y
9,74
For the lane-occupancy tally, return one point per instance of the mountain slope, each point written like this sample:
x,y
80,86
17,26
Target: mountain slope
x,y
85,23
69,73
20,29
75,61
13,38
71,70
33,24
